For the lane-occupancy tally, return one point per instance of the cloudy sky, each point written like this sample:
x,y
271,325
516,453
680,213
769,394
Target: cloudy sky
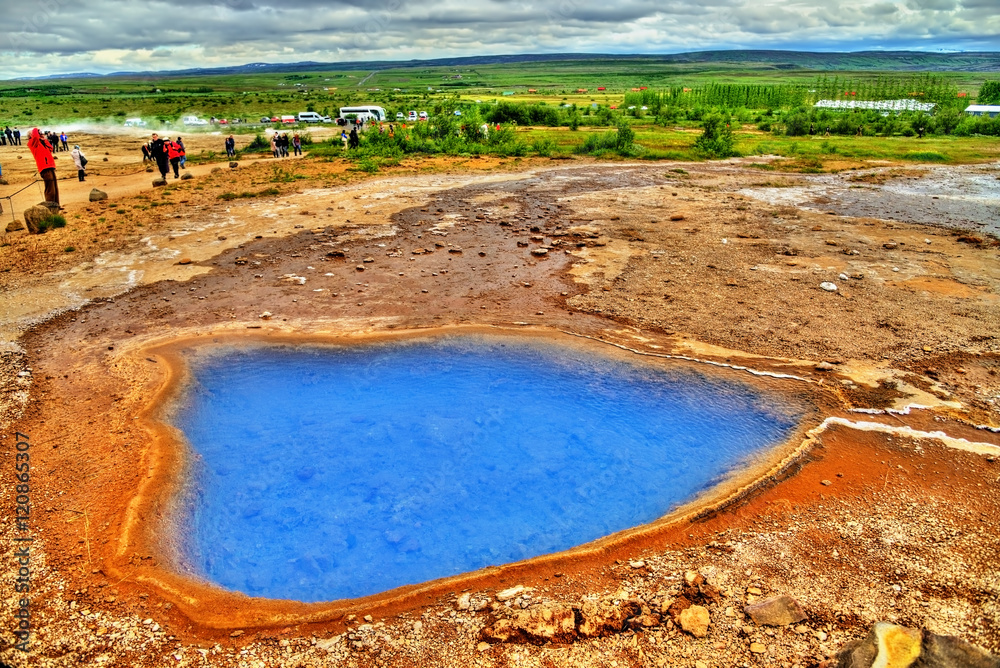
x,y
59,36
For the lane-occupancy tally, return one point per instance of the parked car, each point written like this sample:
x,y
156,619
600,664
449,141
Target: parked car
x,y
458,112
135,123
412,116
423,115
265,119
193,120
312,117
400,116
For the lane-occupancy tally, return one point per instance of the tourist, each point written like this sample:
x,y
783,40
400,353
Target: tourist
x,y
180,145
80,160
354,141
174,154
230,147
274,144
283,144
65,141
343,138
10,135
158,150
41,151
297,144
146,155
17,136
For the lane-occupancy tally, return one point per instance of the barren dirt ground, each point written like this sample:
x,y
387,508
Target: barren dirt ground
x,y
887,515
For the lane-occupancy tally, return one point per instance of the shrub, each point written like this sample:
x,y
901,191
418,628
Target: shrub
x,y
716,140
51,222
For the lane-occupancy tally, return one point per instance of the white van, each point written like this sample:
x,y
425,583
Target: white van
x,y
193,120
288,119
312,117
366,113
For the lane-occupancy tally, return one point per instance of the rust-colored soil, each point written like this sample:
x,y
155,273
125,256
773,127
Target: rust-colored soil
x,y
860,526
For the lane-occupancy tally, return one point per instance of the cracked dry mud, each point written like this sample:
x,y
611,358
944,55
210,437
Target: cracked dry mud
x,y
659,259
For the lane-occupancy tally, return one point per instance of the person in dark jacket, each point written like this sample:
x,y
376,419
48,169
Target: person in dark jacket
x,y
158,150
146,156
41,151
17,136
231,147
354,141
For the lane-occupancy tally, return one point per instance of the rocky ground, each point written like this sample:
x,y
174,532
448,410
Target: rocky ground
x,y
662,259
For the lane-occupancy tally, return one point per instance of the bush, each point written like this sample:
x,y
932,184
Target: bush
x,y
716,140
622,141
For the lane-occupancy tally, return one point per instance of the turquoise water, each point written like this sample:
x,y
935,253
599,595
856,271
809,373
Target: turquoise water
x,y
322,473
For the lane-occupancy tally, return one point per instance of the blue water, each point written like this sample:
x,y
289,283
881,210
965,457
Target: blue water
x,y
323,473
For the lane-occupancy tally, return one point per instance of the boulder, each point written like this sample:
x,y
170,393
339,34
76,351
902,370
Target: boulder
x,y
536,627
695,620
15,226
187,176
233,165
97,195
777,611
597,620
3,181
159,182
891,645
35,215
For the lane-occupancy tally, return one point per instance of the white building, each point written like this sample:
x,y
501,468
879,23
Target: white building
x,y
991,110
878,105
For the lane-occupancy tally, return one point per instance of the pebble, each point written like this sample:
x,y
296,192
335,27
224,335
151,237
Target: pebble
x,y
829,287
757,648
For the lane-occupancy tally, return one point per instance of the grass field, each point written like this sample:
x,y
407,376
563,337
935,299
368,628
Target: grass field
x,y
568,89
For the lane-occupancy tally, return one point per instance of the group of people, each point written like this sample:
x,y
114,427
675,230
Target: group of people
x,y
280,144
9,136
167,155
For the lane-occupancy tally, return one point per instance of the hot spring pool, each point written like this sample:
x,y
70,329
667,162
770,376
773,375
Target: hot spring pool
x,y
323,472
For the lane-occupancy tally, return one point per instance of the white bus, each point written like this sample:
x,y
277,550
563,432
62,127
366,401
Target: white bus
x,y
366,113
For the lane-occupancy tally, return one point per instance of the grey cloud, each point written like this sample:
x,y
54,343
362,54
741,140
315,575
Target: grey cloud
x,y
105,35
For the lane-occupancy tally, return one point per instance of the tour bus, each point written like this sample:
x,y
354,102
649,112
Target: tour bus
x,y
366,113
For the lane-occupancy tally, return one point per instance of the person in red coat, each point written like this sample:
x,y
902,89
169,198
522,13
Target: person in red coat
x,y
174,152
41,150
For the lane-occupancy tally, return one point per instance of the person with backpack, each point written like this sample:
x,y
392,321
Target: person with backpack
x,y
180,145
41,151
174,155
80,160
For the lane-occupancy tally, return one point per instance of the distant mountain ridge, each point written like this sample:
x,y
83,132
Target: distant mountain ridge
x,y
979,61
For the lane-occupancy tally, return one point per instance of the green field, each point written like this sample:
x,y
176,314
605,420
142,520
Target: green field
x,y
766,101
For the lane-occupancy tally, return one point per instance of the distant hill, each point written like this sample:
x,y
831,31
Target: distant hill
x,y
904,61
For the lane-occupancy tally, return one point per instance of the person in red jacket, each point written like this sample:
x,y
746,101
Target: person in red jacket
x,y
41,150
174,153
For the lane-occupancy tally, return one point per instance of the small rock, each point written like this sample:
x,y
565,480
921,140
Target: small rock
x,y
825,366
15,226
266,315
464,601
778,611
890,246
97,195
829,287
233,165
184,260
757,648
825,483
368,260
187,176
33,217
159,183
637,564
360,267
677,216
755,591
695,620
482,647
236,634
513,592
540,252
